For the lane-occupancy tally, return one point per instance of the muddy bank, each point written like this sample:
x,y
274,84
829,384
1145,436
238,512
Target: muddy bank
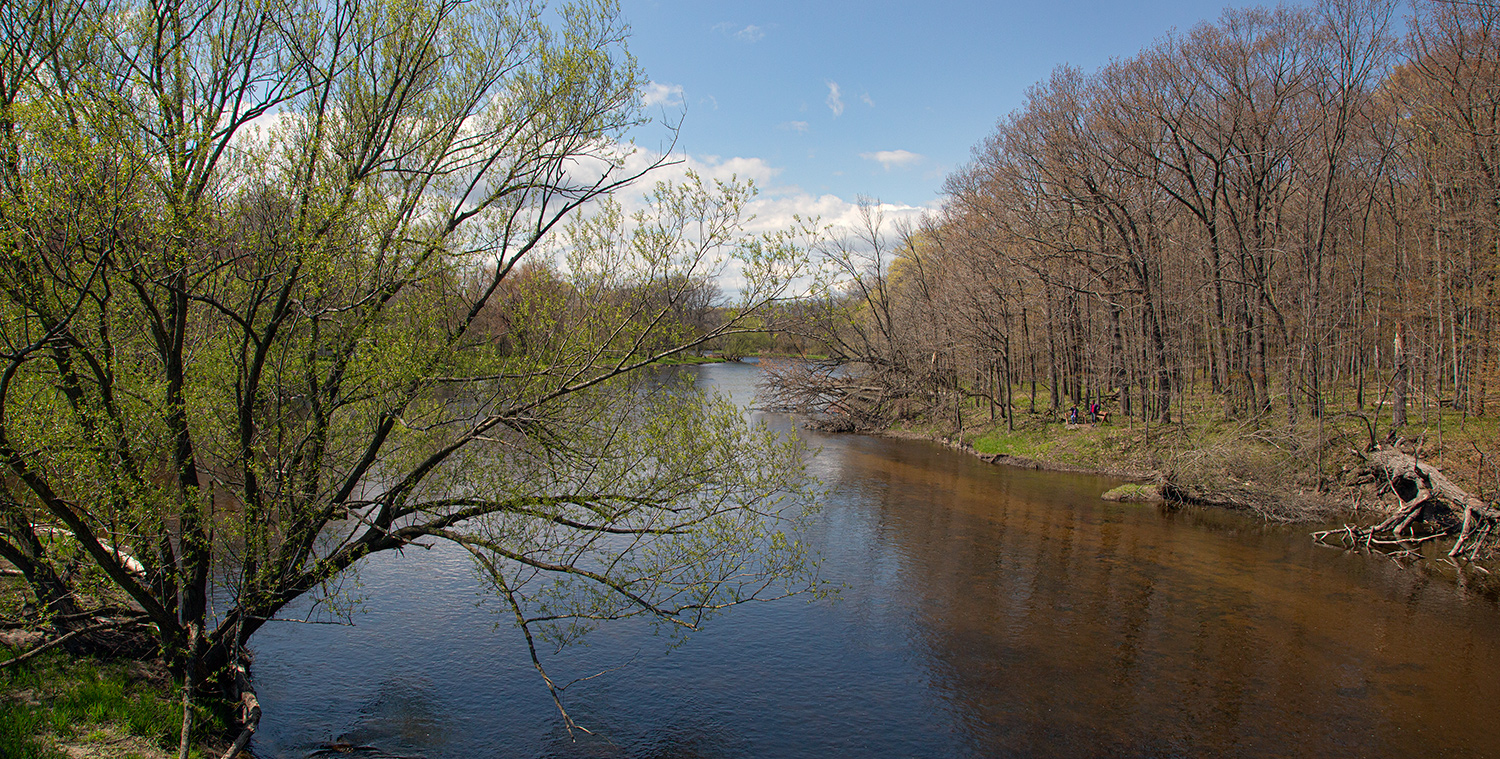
x,y
1385,496
1347,502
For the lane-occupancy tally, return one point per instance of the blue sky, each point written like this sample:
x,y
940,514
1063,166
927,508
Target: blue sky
x,y
821,102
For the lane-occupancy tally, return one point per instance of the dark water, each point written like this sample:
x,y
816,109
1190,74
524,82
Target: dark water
x,y
986,612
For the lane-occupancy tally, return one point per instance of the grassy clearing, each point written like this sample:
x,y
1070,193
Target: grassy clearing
x,y
1104,447
59,707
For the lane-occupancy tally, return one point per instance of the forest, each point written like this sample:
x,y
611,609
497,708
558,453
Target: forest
x,y
1281,224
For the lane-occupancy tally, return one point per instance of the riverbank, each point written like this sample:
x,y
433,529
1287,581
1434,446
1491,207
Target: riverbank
x,y
1199,475
1311,472
57,705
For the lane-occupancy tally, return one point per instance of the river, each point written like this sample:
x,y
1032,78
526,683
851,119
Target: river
x,y
984,612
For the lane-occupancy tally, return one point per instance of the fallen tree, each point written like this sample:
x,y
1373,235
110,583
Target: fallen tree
x,y
831,396
1431,507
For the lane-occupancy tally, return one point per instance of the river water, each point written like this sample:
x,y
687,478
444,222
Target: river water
x,y
984,612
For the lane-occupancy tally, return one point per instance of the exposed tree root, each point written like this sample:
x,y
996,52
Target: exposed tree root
x,y
1432,507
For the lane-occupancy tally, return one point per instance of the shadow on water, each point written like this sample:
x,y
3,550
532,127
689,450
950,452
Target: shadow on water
x,y
984,612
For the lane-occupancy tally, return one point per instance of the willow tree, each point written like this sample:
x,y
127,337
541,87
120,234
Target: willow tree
x,y
246,245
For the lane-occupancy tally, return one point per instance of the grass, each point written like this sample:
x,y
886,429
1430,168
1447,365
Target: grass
x,y
1134,493
1268,453
57,706
688,359
20,728
1116,447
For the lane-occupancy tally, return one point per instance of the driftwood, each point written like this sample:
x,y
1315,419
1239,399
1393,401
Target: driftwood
x,y
249,712
1432,507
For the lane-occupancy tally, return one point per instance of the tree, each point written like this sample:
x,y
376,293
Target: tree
x,y
250,250
1449,91
858,311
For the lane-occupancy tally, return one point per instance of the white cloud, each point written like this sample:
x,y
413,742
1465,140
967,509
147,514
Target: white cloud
x,y
835,102
890,158
867,100
777,207
795,126
775,210
658,93
707,166
776,204
751,33
748,33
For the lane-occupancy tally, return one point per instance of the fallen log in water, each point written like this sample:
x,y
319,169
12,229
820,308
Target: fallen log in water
x,y
249,712
1431,504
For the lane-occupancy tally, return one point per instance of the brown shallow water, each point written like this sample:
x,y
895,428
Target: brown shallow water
x,y
1064,626
984,612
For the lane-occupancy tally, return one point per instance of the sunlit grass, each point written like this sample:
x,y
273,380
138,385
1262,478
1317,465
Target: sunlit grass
x,y
57,700
1204,443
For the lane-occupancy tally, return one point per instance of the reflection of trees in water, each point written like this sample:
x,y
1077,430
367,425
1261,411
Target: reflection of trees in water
x,y
1054,625
997,612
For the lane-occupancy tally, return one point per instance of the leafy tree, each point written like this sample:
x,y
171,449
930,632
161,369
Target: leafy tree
x,y
245,252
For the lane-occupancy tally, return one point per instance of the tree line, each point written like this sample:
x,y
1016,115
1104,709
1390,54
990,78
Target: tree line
x,y
1293,209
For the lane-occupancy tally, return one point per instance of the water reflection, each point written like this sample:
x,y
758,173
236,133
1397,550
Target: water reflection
x,y
1061,627
985,612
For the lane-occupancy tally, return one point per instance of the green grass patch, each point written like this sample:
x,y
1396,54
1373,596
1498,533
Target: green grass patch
x,y
21,729
111,700
1134,493
104,708
1098,446
1032,444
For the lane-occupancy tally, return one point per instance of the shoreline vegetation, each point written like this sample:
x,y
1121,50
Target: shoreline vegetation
x,y
61,706
1406,490
1314,472
1314,475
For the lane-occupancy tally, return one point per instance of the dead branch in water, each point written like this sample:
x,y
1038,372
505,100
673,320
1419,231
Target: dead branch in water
x,y
249,712
1432,507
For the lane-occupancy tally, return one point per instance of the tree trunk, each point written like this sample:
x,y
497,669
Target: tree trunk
x,y
1399,379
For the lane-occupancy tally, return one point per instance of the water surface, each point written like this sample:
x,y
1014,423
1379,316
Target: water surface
x,y
985,612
